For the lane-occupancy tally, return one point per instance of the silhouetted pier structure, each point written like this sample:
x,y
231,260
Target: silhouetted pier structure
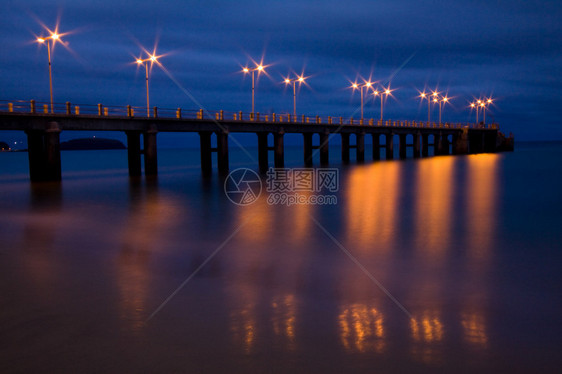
x,y
43,134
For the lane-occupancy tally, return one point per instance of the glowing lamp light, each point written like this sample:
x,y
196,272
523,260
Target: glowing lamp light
x,y
41,40
55,36
301,79
387,91
260,68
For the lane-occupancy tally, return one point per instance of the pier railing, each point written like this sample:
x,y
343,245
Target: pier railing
x,y
100,110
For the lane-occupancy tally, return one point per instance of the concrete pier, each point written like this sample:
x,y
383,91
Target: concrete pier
x,y
43,134
307,148
134,153
416,145
360,147
402,146
444,145
345,147
425,145
437,144
150,153
278,145
222,152
376,146
206,152
44,153
324,148
389,146
263,152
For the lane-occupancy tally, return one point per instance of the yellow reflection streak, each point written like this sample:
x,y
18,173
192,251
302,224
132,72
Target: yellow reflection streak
x,y
244,327
361,329
147,223
474,328
284,318
371,202
435,185
427,334
481,204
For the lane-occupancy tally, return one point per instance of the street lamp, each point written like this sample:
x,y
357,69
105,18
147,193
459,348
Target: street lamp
x,y
259,68
54,37
152,59
483,105
444,100
360,87
423,96
475,106
294,81
383,91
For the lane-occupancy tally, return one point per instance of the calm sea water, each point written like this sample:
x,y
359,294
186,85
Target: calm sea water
x,y
448,264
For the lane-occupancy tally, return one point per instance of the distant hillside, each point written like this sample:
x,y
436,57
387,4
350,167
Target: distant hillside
x,y
91,144
4,146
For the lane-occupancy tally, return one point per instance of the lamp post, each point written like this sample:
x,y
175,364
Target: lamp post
x,y
475,106
152,59
294,81
385,91
360,87
483,105
423,97
444,100
54,37
259,69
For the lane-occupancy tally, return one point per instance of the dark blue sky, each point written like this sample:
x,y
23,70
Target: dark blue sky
x,y
509,49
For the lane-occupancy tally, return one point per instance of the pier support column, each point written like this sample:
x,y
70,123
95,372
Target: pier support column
x,y
437,144
376,146
460,142
475,141
324,148
389,146
206,155
52,150
345,147
417,145
279,150
490,140
444,144
307,148
150,153
263,151
402,146
222,152
134,153
360,149
425,145
44,154
35,154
